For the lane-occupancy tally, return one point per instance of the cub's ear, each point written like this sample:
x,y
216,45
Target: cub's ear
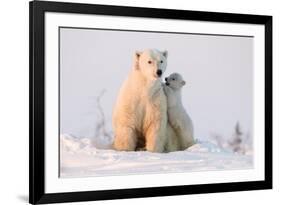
x,y
183,82
136,59
165,54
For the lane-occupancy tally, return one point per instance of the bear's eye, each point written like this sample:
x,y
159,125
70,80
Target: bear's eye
x,y
149,62
173,79
161,61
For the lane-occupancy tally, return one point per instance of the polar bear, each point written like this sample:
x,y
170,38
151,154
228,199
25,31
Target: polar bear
x,y
173,142
177,115
140,112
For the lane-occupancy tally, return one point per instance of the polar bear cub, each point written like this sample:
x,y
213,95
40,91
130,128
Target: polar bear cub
x,y
177,115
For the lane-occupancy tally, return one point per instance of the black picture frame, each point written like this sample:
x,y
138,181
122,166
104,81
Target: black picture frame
x,y
37,9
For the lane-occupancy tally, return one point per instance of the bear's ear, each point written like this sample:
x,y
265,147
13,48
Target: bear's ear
x,y
183,83
165,54
136,59
137,54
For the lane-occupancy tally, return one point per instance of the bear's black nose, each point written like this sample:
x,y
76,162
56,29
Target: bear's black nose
x,y
166,79
159,72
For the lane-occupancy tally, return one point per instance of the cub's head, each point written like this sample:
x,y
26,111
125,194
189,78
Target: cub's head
x,y
175,81
152,63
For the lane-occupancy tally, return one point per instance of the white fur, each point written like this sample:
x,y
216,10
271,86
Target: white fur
x,y
173,142
177,115
140,113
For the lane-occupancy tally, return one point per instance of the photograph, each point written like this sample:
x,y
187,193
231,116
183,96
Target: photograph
x,y
139,102
130,102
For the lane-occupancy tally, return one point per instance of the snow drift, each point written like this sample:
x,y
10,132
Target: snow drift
x,y
84,157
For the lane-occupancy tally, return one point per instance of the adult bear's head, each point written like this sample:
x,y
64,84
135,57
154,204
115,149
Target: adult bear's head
x,y
151,63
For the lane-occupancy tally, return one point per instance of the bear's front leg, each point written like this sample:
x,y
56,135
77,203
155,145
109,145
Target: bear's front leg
x,y
156,133
155,139
125,139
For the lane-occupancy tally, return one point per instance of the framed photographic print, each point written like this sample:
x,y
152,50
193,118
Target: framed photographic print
x,y
139,102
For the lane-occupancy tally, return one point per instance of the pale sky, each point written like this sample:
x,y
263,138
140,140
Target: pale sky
x,y
218,71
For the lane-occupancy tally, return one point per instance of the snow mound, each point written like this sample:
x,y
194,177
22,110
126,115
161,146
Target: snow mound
x,y
83,157
205,146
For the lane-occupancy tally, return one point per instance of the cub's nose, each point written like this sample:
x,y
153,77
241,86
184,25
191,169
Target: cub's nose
x,y
159,73
166,79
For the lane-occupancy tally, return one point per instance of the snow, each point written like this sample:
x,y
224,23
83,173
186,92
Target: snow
x,y
84,157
